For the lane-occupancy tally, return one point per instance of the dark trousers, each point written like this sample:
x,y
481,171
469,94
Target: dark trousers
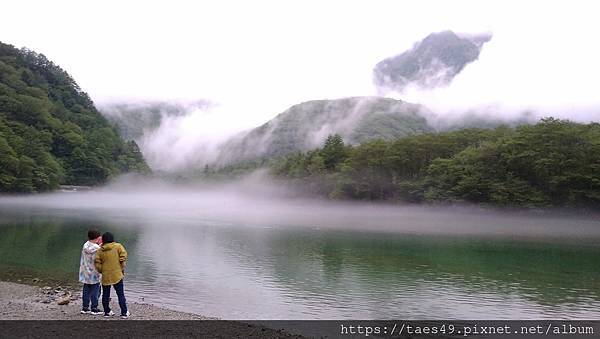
x,y
91,293
120,294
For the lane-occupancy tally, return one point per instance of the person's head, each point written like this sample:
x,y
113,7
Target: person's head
x,y
93,234
108,237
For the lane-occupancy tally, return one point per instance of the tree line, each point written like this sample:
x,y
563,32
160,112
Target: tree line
x,y
552,163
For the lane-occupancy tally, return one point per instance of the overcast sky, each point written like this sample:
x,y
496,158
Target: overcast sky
x,y
257,58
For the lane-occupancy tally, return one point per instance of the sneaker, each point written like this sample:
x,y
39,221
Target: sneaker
x,y
126,315
84,311
96,312
109,314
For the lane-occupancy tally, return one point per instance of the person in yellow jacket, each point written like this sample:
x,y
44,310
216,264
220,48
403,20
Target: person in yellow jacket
x,y
110,262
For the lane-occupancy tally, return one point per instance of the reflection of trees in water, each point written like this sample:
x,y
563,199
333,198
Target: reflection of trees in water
x,y
317,261
314,264
51,245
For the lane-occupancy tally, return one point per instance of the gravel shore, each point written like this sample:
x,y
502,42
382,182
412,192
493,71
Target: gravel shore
x,y
29,302
25,302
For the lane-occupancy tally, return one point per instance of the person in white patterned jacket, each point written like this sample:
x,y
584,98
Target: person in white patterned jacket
x,y
88,274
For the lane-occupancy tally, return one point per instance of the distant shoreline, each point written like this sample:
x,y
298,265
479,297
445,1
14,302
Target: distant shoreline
x,y
565,210
73,188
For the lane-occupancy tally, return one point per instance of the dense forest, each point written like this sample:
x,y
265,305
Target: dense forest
x,y
551,163
50,131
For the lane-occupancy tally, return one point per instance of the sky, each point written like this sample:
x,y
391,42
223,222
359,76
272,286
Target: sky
x,y
254,59
284,52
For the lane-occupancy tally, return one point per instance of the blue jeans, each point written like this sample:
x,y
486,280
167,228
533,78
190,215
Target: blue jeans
x,y
120,294
91,292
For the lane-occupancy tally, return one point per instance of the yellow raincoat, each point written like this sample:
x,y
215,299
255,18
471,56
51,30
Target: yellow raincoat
x,y
110,262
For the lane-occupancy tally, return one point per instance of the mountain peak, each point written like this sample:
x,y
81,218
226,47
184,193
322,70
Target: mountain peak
x,y
430,63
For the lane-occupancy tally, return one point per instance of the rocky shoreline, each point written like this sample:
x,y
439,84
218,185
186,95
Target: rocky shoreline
x,y
29,302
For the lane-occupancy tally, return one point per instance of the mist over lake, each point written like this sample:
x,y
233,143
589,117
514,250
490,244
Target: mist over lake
x,y
236,252
299,160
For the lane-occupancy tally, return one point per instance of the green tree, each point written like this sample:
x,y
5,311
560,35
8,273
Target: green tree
x,y
333,151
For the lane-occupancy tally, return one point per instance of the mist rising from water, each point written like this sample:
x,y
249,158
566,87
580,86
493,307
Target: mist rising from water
x,y
255,201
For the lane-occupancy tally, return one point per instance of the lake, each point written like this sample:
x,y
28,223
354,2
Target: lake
x,y
237,256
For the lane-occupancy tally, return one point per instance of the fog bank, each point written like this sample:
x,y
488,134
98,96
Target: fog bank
x,y
254,202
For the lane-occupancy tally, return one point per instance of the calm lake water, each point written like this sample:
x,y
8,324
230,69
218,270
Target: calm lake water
x,y
236,257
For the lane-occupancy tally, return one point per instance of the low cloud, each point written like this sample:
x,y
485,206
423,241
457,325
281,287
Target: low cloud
x,y
257,201
541,61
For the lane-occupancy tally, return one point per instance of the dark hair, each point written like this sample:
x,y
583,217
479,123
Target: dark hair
x,y
108,237
93,234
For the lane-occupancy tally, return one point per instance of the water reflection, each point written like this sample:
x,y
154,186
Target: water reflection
x,y
234,270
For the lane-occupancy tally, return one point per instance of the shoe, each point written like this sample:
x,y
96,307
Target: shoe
x,y
109,314
85,312
126,315
96,312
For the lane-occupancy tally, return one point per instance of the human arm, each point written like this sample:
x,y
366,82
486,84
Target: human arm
x,y
122,257
98,262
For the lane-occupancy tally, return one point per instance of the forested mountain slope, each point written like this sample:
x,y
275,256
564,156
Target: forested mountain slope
x,y
50,130
307,125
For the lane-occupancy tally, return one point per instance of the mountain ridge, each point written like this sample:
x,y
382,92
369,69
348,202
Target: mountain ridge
x,y
306,125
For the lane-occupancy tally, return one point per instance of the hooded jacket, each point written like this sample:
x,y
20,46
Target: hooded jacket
x,y
110,262
87,272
